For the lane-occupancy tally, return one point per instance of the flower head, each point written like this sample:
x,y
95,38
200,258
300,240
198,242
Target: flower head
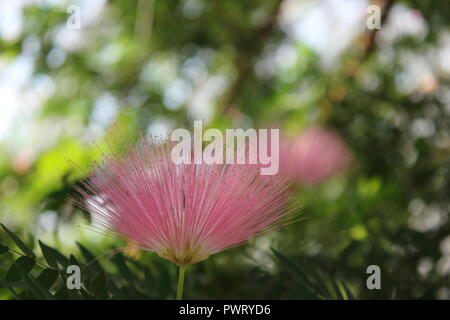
x,y
183,212
314,156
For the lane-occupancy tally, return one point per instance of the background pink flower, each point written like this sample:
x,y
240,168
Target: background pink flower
x,y
313,156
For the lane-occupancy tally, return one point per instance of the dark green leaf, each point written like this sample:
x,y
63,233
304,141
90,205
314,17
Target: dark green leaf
x,y
85,295
348,292
92,265
73,261
320,282
88,256
294,268
3,248
98,285
22,265
47,278
300,294
121,265
337,289
18,242
62,260
35,287
11,289
49,255
62,293
313,279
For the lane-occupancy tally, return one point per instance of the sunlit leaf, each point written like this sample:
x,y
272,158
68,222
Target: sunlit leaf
x,y
348,292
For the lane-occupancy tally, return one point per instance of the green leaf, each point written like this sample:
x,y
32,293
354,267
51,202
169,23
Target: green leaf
x,y
295,269
98,285
62,259
92,265
22,265
73,261
49,255
47,278
85,295
62,293
18,242
313,280
337,289
348,292
124,270
319,281
11,289
88,256
300,294
35,288
3,248
54,255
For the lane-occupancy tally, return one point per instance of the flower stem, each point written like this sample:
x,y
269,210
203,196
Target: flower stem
x,y
181,283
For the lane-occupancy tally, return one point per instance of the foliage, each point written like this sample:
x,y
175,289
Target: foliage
x,y
28,278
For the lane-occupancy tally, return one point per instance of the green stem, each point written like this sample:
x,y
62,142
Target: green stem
x,y
181,283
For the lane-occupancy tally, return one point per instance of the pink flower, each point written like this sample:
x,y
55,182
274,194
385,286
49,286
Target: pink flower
x,y
314,156
183,212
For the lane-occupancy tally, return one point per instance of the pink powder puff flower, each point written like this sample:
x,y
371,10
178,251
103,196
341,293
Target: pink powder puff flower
x,y
314,156
184,212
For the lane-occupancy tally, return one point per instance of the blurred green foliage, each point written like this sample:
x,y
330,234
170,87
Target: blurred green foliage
x,y
140,65
127,278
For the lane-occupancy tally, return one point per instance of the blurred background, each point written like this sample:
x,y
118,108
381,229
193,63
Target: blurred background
x,y
74,72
